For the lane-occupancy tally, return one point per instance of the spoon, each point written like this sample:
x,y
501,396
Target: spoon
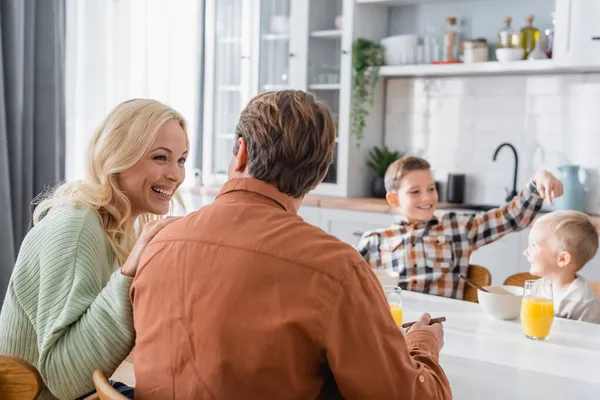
x,y
470,282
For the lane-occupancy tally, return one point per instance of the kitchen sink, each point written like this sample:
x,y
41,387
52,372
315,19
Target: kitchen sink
x,y
467,207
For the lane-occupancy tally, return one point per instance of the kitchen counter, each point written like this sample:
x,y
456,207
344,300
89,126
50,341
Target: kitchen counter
x,y
368,204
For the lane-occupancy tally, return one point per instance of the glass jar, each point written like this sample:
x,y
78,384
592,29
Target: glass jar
x,y
508,37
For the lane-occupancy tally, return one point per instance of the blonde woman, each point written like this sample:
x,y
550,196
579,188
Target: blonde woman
x,y
67,310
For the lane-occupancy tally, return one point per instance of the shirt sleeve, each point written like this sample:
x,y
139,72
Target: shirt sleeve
x,y
368,354
588,311
368,247
487,227
82,325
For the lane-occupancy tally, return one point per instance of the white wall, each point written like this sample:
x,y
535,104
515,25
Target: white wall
x,y
456,123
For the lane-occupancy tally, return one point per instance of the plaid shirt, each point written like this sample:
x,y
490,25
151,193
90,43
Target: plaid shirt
x,y
429,256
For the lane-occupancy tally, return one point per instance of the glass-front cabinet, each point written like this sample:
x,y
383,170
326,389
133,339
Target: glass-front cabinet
x,y
226,80
257,46
273,41
324,61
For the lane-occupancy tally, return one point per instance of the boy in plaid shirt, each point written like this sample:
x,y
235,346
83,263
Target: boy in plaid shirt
x,y
430,253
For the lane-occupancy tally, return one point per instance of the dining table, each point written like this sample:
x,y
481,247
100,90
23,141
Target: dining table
x,y
486,358
490,359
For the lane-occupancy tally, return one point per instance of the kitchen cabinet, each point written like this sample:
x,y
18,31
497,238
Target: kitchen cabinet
x,y
311,215
348,226
577,40
255,46
503,257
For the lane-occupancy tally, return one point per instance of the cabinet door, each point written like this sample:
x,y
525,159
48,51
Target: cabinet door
x,y
502,258
272,32
324,60
349,226
311,215
577,32
227,82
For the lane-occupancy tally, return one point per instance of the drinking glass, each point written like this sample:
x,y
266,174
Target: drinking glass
x,y
537,309
393,294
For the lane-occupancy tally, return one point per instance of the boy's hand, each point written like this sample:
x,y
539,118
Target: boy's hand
x,y
548,185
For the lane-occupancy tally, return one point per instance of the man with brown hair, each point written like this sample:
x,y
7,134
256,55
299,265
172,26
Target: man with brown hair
x,y
244,300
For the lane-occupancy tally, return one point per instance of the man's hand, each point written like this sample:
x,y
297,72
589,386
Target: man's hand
x,y
548,185
437,330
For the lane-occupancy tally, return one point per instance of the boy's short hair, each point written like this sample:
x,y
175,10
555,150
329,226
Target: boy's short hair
x,y
399,168
572,231
290,138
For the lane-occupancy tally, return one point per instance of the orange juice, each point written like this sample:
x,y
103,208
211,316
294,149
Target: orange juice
x,y
536,317
396,313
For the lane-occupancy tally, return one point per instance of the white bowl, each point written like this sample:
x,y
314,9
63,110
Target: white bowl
x,y
507,54
399,49
387,277
502,302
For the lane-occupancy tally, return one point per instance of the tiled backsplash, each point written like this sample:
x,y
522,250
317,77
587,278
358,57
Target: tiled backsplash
x,y
456,123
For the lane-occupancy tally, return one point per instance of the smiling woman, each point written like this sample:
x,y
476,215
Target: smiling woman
x,y
67,309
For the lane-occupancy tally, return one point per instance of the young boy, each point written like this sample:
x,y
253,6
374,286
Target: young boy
x,y
560,244
430,253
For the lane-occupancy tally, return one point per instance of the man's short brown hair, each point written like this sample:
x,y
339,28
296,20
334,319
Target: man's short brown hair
x,y
571,231
399,168
290,138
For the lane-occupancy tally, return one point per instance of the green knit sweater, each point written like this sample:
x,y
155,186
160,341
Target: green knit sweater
x,y
67,309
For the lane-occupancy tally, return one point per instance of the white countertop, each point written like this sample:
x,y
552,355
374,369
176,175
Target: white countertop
x,y
490,359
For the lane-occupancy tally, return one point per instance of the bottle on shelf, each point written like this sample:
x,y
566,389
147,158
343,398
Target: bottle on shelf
x,y
451,41
529,36
550,37
508,37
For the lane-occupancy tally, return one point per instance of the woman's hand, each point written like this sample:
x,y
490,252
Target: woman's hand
x,y
150,230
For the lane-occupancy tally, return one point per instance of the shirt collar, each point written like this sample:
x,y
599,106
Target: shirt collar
x,y
251,185
403,221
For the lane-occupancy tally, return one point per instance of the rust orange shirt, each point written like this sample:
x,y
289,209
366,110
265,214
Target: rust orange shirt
x,y
244,300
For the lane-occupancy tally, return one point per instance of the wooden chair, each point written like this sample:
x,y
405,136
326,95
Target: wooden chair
x,y
481,276
19,380
520,278
104,389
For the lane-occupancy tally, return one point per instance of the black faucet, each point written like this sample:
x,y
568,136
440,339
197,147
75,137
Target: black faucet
x,y
514,193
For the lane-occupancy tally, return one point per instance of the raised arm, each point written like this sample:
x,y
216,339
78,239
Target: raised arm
x,y
487,227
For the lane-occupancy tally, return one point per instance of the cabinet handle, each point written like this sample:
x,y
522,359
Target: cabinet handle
x,y
345,52
595,37
245,57
292,55
357,233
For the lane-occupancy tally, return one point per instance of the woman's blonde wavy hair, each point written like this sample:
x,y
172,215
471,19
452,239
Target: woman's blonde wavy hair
x,y
122,140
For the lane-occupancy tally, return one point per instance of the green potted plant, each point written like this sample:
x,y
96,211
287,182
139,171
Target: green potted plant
x,y
379,160
367,57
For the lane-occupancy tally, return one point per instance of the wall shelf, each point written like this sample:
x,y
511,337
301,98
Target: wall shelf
x,y
329,34
325,86
276,36
484,68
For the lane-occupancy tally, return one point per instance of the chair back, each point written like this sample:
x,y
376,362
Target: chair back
x,y
519,279
481,276
104,389
19,380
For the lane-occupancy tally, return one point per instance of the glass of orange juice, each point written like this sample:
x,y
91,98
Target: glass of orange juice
x,y
393,294
537,309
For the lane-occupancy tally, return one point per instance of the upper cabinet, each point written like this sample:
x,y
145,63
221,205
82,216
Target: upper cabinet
x,y
257,46
578,33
